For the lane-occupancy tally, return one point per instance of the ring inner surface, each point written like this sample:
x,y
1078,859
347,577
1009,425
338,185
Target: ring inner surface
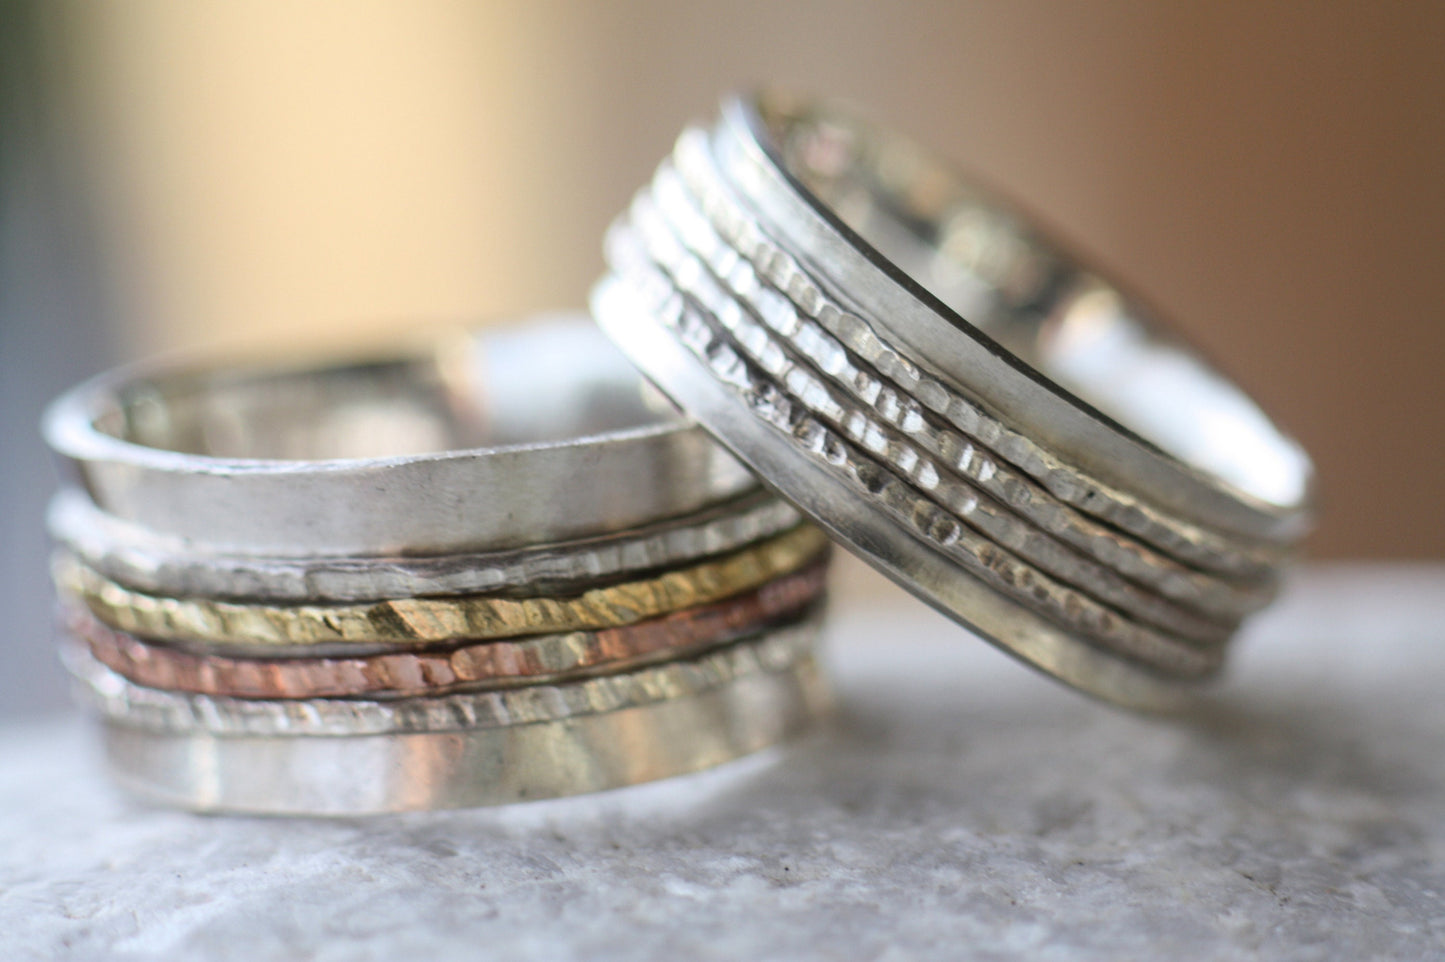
x,y
981,259
541,384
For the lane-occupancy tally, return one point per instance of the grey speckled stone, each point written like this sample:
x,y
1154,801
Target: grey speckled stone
x,y
959,808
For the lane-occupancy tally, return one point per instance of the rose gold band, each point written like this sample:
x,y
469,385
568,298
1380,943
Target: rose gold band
x,y
494,663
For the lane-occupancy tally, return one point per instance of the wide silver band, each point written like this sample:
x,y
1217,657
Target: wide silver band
x,y
305,775
743,294
160,564
519,438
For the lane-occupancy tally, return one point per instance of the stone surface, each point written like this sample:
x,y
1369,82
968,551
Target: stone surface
x,y
959,807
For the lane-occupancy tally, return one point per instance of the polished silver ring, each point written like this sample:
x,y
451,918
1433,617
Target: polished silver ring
x,y
505,439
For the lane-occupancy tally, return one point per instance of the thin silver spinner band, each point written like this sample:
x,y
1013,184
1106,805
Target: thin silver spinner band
x,y
359,775
511,438
160,564
1053,349
120,701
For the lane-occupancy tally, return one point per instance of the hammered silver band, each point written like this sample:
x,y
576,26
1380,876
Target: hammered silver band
x,y
754,292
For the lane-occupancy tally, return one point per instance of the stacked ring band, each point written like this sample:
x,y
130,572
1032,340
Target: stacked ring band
x,y
506,569
1051,472
502,572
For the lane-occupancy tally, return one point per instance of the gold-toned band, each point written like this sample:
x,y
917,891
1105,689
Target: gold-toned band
x,y
420,621
497,663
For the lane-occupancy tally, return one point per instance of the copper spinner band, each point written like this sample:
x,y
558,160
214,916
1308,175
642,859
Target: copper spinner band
x,y
498,663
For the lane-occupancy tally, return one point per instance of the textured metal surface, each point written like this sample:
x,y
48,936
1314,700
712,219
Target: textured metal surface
x,y
750,142
857,523
860,479
966,500
479,498
424,620
122,702
423,582
155,564
535,659
1163,551
752,282
490,766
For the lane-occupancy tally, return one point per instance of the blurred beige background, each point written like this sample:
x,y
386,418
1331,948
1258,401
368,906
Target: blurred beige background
x,y
1267,172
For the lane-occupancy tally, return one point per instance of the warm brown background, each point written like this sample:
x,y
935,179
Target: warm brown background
x,y
1269,172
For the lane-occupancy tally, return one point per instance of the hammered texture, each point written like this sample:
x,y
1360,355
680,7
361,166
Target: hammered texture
x,y
535,659
155,564
967,502
425,620
684,212
113,697
772,405
1191,543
